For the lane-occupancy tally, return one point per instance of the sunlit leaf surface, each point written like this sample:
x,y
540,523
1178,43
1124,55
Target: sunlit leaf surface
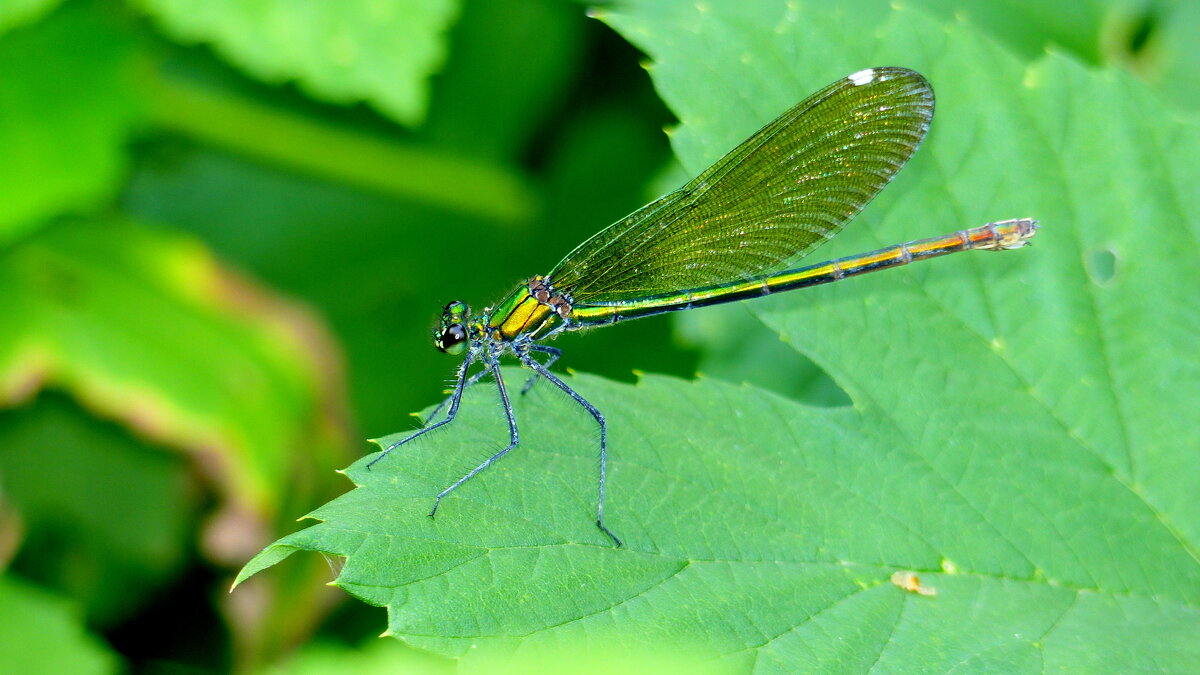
x,y
45,633
68,104
381,51
16,12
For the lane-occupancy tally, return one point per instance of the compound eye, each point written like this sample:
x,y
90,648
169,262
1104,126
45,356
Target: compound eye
x,y
455,311
453,339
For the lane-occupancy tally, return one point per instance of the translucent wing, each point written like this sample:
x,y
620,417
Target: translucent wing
x,y
780,194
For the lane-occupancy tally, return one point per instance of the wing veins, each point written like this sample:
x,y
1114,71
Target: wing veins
x,y
784,191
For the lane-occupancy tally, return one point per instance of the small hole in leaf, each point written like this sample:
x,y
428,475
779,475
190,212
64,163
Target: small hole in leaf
x,y
1141,30
1133,37
1101,265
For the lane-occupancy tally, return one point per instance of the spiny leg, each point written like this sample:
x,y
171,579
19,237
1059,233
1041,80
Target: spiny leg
x,y
554,353
494,367
541,370
472,380
455,400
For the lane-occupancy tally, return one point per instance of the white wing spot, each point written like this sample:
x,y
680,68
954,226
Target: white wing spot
x,y
862,77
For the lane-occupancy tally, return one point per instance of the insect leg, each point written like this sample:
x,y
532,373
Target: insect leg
x,y
541,370
472,380
554,353
513,438
455,400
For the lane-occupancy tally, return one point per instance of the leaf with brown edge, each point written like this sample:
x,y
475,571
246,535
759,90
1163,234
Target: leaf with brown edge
x,y
144,326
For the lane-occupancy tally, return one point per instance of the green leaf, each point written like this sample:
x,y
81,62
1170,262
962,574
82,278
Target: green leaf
x,y
383,657
69,103
739,347
44,633
1022,433
144,327
18,12
1152,38
381,51
1157,42
1029,26
478,106
87,530
97,308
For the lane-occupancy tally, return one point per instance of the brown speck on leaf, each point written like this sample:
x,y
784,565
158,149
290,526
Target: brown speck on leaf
x,y
910,582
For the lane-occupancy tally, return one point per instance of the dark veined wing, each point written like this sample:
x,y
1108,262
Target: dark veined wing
x,y
780,194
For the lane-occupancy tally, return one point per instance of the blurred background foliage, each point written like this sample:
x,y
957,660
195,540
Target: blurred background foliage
x,y
227,228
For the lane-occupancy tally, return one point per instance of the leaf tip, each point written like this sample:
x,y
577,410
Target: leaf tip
x,y
242,575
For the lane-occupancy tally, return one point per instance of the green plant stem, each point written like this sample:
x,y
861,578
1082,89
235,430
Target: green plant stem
x,y
352,157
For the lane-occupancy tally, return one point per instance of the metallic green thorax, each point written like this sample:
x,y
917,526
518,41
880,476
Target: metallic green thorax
x,y
534,310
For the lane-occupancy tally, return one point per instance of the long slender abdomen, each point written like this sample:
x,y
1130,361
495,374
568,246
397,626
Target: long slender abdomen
x,y
1008,234
998,236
